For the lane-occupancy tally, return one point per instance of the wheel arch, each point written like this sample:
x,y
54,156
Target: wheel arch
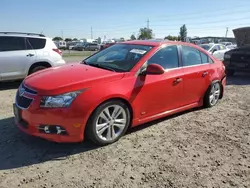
x,y
212,82
122,99
39,63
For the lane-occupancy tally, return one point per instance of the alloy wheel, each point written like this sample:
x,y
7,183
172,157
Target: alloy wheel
x,y
214,94
111,122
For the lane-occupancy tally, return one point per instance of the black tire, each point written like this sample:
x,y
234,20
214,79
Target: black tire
x,y
37,68
230,72
207,102
90,131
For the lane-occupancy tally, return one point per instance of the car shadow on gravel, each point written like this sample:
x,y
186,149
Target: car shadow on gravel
x,y
239,79
19,150
9,85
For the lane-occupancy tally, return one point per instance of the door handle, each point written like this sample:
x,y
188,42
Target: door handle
x,y
30,55
204,74
177,80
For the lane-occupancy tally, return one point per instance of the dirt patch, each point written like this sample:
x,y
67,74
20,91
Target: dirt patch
x,y
199,148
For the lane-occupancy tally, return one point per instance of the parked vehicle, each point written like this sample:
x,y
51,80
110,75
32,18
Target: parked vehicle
x,y
71,45
226,43
217,50
22,54
91,47
106,45
122,86
79,46
230,47
237,60
61,44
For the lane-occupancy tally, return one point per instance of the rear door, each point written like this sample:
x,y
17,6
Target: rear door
x,y
197,72
14,57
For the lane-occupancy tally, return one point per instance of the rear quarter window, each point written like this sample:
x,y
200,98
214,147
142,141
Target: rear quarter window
x,y
36,43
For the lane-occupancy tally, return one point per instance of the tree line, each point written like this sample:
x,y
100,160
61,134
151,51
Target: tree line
x,y
144,33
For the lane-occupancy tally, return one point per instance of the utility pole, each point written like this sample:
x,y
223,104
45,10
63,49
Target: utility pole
x,y
62,34
148,23
226,32
91,33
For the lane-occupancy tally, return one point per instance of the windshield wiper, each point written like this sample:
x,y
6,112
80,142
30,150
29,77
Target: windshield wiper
x,y
101,66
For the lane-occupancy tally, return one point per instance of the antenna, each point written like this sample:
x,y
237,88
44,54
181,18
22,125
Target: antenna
x,y
91,33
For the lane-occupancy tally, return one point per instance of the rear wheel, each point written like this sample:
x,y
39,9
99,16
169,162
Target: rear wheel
x,y
108,123
212,95
38,68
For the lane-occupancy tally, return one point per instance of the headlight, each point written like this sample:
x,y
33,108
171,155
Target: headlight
x,y
59,101
227,56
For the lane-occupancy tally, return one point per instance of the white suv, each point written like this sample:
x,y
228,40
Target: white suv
x,y
22,54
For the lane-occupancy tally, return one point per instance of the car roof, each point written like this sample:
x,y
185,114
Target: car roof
x,y
157,42
2,34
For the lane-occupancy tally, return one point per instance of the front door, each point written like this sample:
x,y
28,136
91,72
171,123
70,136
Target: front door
x,y
14,57
158,93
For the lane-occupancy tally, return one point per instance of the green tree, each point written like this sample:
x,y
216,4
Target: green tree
x,y
122,39
68,39
99,40
57,38
169,37
183,32
133,37
74,39
145,33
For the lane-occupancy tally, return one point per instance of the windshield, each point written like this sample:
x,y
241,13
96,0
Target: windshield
x,y
206,46
119,57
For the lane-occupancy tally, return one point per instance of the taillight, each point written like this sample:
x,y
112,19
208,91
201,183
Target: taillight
x,y
57,51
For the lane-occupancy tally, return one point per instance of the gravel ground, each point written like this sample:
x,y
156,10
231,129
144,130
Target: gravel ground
x,y
199,148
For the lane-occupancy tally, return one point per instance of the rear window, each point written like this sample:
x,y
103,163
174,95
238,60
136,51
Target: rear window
x,y
37,43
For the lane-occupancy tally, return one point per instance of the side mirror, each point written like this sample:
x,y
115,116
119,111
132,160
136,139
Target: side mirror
x,y
153,69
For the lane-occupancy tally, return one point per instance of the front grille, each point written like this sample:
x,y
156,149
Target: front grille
x,y
21,100
28,90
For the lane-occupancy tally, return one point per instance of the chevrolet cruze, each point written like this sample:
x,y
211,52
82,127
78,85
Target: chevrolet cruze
x,y
122,86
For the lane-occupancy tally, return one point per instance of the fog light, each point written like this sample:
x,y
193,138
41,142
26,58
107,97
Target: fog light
x,y
52,129
46,129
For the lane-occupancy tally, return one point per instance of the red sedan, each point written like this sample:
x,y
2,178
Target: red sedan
x,y
122,86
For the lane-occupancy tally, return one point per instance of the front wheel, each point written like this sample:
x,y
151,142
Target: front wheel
x,y
108,123
212,95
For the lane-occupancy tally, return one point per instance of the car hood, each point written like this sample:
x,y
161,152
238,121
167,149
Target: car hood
x,y
71,77
242,36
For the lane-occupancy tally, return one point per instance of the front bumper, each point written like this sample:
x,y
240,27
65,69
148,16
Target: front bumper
x,y
33,131
30,119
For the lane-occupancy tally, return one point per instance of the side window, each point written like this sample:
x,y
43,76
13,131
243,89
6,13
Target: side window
x,y
36,43
222,47
167,57
217,47
12,44
190,56
204,58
